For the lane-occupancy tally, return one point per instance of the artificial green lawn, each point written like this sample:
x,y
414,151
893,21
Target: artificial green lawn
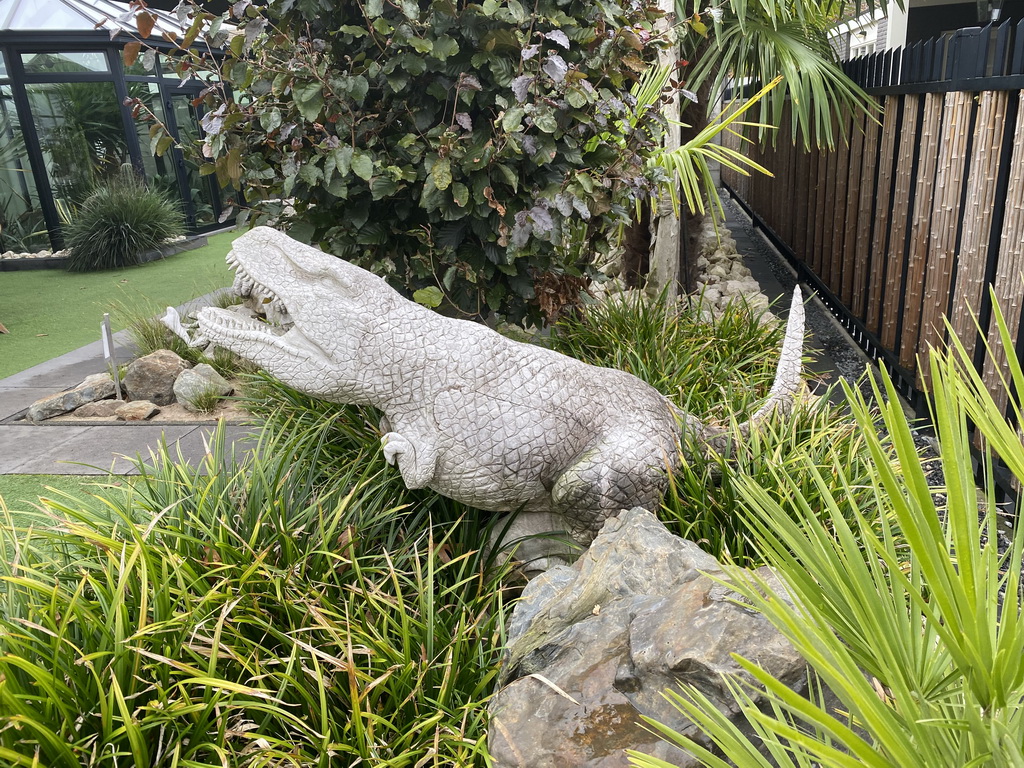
x,y
50,312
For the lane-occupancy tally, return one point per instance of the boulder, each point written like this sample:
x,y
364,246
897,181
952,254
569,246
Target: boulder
x,y
99,386
101,408
637,614
137,410
194,382
152,377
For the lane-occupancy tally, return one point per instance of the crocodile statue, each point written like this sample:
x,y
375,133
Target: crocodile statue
x,y
497,424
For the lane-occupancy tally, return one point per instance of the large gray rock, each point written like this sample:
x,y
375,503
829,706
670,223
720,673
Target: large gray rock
x,y
193,382
99,386
152,377
634,616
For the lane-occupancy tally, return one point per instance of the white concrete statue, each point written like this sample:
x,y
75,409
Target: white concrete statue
x,y
494,423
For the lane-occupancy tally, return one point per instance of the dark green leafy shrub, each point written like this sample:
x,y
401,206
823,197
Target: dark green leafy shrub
x,y
117,223
466,150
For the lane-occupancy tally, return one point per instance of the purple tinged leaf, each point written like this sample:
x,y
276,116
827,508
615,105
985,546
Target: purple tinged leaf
x,y
689,95
581,208
555,67
469,82
253,30
558,37
542,221
530,51
521,231
563,202
464,120
521,86
530,145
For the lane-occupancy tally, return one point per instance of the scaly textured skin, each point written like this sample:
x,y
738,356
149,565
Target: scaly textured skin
x,y
494,423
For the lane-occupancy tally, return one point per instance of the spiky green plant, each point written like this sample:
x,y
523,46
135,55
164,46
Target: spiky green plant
x,y
919,634
119,221
246,613
706,366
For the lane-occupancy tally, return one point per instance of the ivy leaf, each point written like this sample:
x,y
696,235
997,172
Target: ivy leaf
x,y
460,194
441,173
444,47
374,8
145,22
362,164
521,87
558,37
513,119
271,120
555,67
545,120
382,186
342,159
428,297
131,53
309,98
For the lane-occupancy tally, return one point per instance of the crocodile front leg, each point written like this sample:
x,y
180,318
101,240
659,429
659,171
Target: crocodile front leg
x,y
415,455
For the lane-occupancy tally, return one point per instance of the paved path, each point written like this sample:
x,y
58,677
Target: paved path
x,y
92,449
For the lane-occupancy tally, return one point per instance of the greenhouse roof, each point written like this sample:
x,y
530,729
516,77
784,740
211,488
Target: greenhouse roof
x,y
77,15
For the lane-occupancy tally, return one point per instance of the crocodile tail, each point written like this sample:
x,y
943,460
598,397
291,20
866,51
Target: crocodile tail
x,y
787,381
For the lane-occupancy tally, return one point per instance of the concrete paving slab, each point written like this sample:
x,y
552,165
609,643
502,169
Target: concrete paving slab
x,y
93,450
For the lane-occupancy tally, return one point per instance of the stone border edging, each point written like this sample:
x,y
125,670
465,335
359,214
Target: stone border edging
x,y
59,262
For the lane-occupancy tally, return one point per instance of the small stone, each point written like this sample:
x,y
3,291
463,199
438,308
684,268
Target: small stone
x,y
719,270
100,409
739,271
137,410
99,386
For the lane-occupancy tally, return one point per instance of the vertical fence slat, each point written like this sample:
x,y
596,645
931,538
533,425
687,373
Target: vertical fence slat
x,y
981,187
853,192
866,217
883,211
836,257
946,223
892,286
925,194
1009,282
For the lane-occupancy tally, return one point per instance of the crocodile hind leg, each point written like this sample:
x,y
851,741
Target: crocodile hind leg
x,y
621,472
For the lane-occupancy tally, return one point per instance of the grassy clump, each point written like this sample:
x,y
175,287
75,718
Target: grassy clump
x,y
247,613
141,320
121,220
707,367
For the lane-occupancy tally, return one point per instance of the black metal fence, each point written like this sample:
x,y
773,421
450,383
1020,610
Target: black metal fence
x,y
920,212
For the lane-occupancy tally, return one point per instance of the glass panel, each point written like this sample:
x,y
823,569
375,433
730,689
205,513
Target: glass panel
x,y
21,221
3,66
204,192
159,171
76,61
81,135
47,15
138,67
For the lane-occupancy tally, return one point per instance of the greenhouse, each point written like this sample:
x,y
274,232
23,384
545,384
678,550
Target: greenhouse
x,y
66,121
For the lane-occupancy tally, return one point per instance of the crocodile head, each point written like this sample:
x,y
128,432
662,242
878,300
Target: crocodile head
x,y
332,307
